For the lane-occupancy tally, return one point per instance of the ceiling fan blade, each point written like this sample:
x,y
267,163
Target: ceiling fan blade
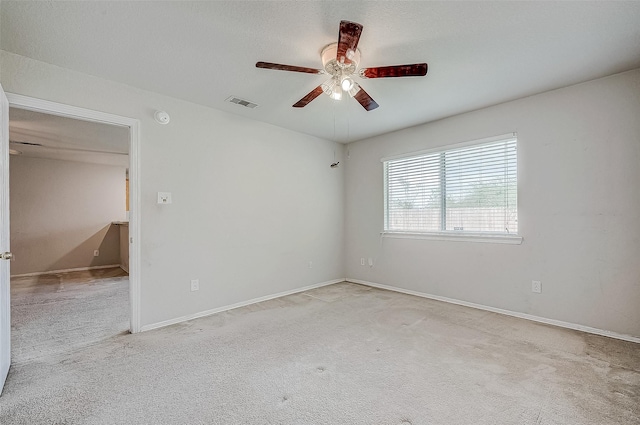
x,y
25,143
413,70
309,97
279,67
363,98
348,41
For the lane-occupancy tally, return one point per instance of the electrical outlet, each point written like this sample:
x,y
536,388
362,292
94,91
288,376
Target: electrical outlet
x,y
96,252
370,262
195,285
362,261
536,286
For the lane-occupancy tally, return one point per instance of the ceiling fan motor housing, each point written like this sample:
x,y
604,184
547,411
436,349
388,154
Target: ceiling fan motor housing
x,y
335,68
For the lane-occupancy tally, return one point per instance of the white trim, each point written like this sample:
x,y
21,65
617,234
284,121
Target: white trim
x,y
442,148
236,305
467,237
5,243
54,108
135,236
531,317
77,269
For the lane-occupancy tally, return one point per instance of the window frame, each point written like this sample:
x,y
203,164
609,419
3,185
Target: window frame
x,y
450,235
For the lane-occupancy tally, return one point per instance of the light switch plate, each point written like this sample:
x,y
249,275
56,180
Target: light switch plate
x,y
164,197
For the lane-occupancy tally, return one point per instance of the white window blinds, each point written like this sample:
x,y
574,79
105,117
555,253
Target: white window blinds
x,y
470,189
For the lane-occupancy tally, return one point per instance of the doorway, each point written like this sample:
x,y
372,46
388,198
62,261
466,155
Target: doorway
x,y
69,281
70,112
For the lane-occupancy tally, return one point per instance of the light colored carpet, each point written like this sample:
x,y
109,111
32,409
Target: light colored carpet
x,y
342,354
56,313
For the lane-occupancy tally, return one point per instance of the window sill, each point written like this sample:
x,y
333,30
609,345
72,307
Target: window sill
x,y
468,237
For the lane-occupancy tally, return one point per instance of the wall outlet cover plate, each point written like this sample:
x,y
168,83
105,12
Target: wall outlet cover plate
x,y
536,286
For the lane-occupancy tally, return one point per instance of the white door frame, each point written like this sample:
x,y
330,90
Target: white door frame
x,y
54,108
5,243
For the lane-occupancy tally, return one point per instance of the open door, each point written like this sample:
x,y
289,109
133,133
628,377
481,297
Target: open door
x,y
5,254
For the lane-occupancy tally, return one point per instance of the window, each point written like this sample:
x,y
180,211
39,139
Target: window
x,y
468,189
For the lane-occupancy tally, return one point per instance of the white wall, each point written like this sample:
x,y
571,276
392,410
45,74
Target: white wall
x,y
252,203
579,203
61,212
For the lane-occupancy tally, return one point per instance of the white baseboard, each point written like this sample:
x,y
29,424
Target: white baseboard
x,y
78,269
531,317
236,305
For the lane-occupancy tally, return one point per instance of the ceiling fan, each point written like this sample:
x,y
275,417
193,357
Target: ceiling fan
x,y
340,60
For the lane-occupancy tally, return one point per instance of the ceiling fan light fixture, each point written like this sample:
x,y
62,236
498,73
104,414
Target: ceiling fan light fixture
x,y
355,88
332,89
327,86
337,93
347,83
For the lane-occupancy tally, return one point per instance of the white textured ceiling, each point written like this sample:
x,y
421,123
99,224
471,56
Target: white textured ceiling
x,y
479,53
39,135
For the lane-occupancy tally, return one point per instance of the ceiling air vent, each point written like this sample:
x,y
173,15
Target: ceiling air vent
x,y
241,102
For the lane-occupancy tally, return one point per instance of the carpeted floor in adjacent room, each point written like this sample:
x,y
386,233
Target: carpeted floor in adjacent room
x,y
341,354
60,312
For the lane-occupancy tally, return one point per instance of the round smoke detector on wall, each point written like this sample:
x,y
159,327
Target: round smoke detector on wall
x,y
162,117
